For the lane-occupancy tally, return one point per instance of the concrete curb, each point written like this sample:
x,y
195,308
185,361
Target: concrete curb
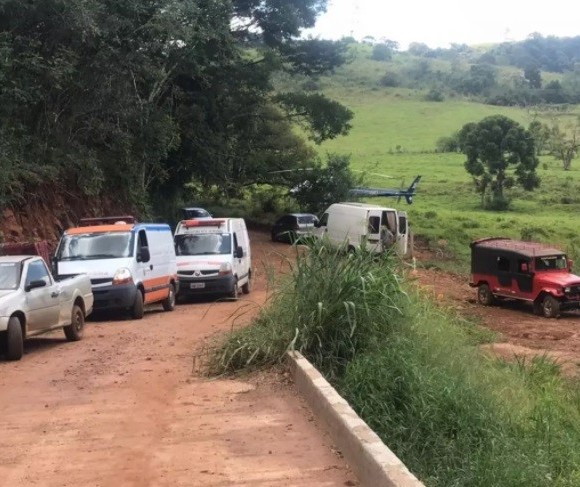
x,y
374,464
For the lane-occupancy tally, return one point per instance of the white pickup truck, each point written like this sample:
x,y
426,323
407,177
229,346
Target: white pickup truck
x,y
32,302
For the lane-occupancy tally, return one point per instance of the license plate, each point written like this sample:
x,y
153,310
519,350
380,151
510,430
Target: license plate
x,y
197,285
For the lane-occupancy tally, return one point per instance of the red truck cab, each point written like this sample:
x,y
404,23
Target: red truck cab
x,y
503,268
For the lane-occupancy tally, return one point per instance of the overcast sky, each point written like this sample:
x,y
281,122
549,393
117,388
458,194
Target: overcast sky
x,y
438,23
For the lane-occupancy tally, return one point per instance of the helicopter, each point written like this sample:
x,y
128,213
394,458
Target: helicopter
x,y
364,191
383,192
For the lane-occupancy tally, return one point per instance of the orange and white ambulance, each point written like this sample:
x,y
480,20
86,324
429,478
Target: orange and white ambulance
x,y
213,257
130,264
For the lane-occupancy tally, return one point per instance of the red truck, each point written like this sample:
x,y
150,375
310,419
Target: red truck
x,y
503,268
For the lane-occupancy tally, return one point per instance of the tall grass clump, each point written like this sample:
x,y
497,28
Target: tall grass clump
x,y
458,417
331,307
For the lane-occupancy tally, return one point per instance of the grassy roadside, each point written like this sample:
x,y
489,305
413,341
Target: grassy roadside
x,y
455,416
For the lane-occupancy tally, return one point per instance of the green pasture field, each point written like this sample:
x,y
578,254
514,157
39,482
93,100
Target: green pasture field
x,y
393,139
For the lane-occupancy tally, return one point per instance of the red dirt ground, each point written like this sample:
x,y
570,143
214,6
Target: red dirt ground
x,y
522,332
122,407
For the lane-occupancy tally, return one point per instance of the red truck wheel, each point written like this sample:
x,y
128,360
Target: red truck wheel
x,y
484,295
551,307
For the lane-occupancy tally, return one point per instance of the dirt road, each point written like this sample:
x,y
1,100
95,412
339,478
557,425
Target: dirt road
x,y
122,408
522,332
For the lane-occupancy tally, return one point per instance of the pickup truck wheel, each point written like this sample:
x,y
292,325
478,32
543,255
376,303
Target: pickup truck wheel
x,y
74,332
551,307
484,295
14,340
247,288
138,309
169,302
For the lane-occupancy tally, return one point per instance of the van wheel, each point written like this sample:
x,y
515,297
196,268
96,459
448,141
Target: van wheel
x,y
169,302
484,295
14,340
74,331
235,292
138,309
551,307
247,288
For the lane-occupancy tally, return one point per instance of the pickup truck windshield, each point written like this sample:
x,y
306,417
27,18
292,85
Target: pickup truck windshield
x,y
89,246
9,275
551,262
203,244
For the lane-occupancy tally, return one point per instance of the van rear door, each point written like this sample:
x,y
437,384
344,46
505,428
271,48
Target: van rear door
x,y
374,230
403,238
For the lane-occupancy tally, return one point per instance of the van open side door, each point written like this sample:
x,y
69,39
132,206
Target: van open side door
x,y
403,237
374,230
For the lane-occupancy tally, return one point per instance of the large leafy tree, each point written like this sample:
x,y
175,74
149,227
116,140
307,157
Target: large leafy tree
x,y
500,154
136,98
324,184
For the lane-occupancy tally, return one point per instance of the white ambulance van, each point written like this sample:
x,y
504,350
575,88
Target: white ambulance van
x,y
213,257
130,264
360,224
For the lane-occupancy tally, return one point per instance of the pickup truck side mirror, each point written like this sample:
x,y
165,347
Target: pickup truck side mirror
x,y
239,253
317,224
143,255
35,284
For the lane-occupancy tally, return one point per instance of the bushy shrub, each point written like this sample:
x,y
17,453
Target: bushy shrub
x,y
390,80
435,94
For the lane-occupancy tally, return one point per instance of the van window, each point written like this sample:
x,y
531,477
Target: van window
x,y
374,224
88,246
143,239
403,225
203,244
503,264
324,220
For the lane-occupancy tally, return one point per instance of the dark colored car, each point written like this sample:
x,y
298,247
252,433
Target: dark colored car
x,y
190,213
502,268
292,226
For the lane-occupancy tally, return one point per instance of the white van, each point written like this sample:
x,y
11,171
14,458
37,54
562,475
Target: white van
x,y
130,264
213,257
361,224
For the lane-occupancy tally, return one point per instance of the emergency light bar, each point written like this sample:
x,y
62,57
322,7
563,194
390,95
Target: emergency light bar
x,y
203,223
107,220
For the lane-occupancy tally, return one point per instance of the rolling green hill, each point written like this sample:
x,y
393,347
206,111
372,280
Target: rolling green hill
x,y
393,139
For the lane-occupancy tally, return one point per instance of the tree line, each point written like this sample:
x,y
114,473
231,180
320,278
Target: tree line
x,y
131,100
477,72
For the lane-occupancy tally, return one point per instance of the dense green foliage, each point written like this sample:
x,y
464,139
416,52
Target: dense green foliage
x,y
326,184
136,98
454,415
